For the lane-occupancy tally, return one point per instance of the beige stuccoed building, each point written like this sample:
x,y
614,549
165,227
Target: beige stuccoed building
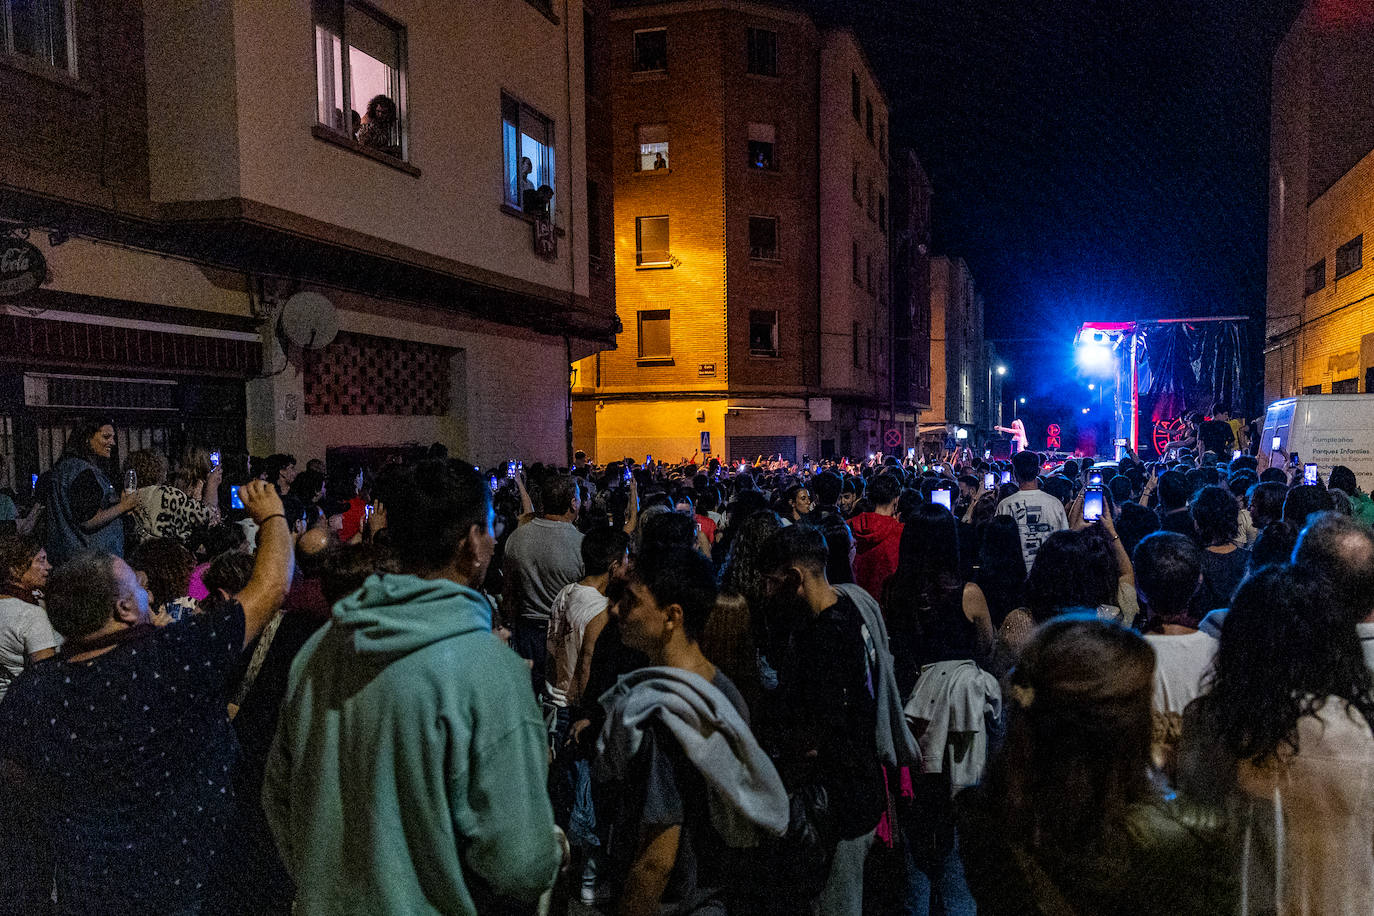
x,y
187,169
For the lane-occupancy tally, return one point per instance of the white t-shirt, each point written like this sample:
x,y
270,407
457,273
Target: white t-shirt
x,y
24,630
572,609
1181,663
1038,515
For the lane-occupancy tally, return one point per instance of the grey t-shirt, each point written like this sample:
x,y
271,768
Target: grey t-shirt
x,y
542,556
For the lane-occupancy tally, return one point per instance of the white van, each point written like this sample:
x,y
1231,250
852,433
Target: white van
x,y
1325,429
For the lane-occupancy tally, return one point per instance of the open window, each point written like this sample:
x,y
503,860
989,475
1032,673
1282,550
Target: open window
x,y
527,144
651,51
763,238
763,332
762,151
653,148
360,75
763,52
651,242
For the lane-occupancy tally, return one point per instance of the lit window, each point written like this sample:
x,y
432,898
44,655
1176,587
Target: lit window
x,y
761,138
763,238
1315,278
651,241
653,147
1350,257
651,50
763,52
527,143
360,74
41,30
763,332
854,94
655,337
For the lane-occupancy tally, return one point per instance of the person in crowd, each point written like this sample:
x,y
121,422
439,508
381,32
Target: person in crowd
x,y
164,511
1341,550
126,736
1001,569
849,496
458,819
280,470
933,615
1068,820
378,129
1216,517
825,492
1173,492
26,635
576,608
878,534
343,503
1361,506
1304,501
85,509
306,597
837,718
1168,571
672,730
1284,737
1134,523
166,567
542,558
1036,513
796,502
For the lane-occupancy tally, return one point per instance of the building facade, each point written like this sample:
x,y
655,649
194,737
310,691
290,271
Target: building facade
x,y
910,247
188,172
1320,293
959,387
746,326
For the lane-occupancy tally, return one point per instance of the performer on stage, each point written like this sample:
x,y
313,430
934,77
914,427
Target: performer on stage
x,y
1017,431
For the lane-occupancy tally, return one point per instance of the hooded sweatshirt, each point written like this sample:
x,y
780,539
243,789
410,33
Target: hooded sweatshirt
x,y
408,772
876,541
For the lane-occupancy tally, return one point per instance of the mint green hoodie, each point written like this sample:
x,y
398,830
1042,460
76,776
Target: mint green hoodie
x,y
409,768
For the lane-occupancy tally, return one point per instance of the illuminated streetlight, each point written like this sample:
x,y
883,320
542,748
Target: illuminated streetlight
x,y
1023,400
1085,409
1001,370
1092,386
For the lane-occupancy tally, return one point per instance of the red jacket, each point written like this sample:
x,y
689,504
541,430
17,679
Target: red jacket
x,y
876,540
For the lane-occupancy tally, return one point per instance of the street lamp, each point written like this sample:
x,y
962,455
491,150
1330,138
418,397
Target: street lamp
x,y
1001,370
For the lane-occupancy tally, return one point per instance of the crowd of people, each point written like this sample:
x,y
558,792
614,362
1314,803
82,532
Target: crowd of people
x,y
230,685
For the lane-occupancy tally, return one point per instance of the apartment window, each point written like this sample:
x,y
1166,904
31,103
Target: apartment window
x,y
868,120
594,251
1350,257
653,147
1346,386
763,52
854,259
360,74
882,213
655,337
651,241
868,346
763,238
651,50
761,147
854,344
763,332
589,81
1312,389
869,205
854,94
40,30
868,268
1315,278
854,183
527,139
882,142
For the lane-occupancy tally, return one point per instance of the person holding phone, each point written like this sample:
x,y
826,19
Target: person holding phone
x,y
1037,513
85,510
168,511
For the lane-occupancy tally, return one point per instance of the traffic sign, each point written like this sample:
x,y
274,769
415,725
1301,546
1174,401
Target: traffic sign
x,y
892,437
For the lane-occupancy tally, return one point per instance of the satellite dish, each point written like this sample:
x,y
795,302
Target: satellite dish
x,y
309,320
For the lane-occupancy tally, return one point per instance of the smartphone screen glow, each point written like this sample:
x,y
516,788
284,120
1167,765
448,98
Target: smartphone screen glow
x,y
1092,504
940,498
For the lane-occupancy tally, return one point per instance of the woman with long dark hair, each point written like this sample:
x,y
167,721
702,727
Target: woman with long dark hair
x,y
85,509
1001,569
1285,736
932,614
1068,821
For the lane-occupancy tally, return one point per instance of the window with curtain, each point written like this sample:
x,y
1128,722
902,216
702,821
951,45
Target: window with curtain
x,y
651,241
653,147
360,75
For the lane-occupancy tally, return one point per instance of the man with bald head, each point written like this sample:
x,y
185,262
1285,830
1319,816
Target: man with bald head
x,y
1341,550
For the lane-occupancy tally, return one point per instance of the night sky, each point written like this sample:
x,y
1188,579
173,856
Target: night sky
x,y
1091,160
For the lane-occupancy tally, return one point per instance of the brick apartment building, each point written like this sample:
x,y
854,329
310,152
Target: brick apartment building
x,y
1320,295
186,169
960,387
751,251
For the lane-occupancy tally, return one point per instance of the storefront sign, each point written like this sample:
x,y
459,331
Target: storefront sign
x,y
706,370
22,268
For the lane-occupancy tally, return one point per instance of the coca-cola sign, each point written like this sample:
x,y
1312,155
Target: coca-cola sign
x,y
22,268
